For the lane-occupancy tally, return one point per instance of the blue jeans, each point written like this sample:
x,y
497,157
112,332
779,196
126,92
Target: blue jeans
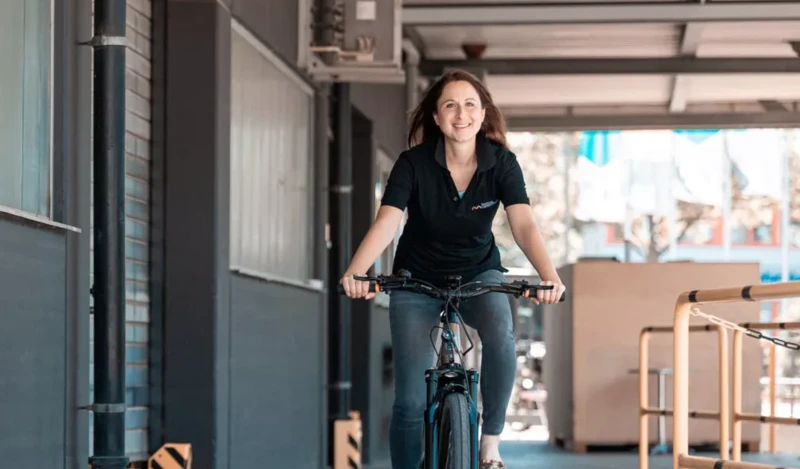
x,y
412,316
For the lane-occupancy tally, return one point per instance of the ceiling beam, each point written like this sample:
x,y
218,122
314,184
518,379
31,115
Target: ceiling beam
x,y
690,43
555,123
772,105
623,66
489,14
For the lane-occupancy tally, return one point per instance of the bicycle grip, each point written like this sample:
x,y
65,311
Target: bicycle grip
x,y
373,288
560,300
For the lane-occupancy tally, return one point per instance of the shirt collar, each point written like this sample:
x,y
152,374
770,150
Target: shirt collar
x,y
487,157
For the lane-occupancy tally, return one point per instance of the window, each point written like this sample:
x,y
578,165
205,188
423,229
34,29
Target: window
x,y
25,105
271,164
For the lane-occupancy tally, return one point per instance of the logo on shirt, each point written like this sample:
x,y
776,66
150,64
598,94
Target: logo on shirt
x,y
484,205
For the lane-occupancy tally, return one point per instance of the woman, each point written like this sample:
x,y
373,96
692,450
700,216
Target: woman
x,y
451,180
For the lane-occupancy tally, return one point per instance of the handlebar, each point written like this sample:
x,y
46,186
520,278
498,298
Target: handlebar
x,y
385,283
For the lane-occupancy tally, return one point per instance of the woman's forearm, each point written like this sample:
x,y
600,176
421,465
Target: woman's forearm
x,y
530,241
377,239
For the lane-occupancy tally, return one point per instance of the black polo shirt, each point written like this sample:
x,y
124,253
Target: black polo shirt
x,y
446,234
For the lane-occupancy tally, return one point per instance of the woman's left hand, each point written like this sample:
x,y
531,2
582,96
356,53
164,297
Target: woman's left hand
x,y
548,296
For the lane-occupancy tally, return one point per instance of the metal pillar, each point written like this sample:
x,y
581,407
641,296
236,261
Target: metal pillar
x,y
109,235
412,76
341,222
321,179
321,234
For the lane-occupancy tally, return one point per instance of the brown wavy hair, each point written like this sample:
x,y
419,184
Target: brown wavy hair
x,y
423,128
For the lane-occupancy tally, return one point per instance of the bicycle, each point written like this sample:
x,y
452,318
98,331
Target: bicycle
x,y
451,414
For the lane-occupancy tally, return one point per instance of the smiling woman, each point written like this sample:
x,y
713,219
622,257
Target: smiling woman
x,y
452,181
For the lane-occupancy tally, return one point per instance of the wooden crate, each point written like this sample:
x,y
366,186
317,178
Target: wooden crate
x,y
593,342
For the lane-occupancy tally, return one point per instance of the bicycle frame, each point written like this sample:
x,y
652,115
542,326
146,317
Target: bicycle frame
x,y
449,377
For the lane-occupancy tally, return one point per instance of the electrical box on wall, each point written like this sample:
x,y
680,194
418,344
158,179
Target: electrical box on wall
x,y
363,41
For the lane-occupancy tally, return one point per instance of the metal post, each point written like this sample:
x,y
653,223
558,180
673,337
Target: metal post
x,y
109,235
321,235
321,179
412,77
341,220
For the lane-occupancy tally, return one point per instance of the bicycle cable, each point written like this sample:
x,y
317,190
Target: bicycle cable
x,y
695,311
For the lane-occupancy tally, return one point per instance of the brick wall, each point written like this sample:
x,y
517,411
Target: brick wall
x,y
137,168
137,197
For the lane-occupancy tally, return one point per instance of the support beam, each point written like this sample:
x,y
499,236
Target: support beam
x,y
197,323
555,123
772,105
463,15
622,66
690,43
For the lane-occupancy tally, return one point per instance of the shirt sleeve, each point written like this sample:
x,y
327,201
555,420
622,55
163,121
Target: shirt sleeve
x,y
400,184
512,182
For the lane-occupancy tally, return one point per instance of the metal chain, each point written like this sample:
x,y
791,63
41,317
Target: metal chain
x,y
749,332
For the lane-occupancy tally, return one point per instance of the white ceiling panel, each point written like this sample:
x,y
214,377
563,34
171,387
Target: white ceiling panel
x,y
648,40
556,90
751,32
744,87
618,90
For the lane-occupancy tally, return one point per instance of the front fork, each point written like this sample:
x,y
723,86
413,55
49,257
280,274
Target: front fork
x,y
431,430
432,381
474,416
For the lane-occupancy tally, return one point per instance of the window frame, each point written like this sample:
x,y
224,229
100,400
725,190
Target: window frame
x,y
240,30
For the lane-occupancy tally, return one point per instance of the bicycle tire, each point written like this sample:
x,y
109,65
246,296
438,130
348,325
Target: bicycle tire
x,y
454,433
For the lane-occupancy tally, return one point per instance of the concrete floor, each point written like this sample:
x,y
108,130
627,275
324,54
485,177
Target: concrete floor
x,y
539,455
529,449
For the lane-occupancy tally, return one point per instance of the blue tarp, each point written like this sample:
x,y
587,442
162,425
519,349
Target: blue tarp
x,y
595,146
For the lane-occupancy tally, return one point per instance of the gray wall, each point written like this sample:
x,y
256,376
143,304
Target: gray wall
x,y
277,375
275,22
32,343
385,105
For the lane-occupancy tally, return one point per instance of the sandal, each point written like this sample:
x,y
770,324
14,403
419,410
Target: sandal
x,y
490,464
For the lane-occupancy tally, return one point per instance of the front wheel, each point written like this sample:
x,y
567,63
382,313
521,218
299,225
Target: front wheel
x,y
454,434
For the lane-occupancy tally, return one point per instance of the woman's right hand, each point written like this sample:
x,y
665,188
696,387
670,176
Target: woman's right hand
x,y
356,288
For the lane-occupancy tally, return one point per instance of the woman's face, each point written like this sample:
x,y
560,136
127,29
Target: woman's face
x,y
459,112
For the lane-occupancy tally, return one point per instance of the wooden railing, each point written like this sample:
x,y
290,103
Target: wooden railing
x,y
684,308
645,411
